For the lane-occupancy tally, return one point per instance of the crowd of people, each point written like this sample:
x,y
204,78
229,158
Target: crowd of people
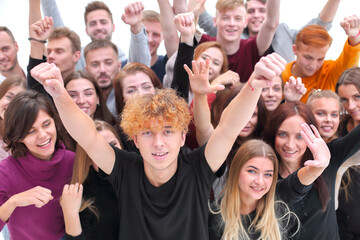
x,y
243,131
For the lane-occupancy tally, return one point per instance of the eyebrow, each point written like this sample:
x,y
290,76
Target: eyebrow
x,y
251,166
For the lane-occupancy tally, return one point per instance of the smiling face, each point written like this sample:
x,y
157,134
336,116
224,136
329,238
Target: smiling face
x,y
103,65
230,24
289,143
350,99
41,139
272,94
5,100
99,25
250,126
326,112
8,52
159,150
155,35
308,59
83,93
255,179
136,84
216,61
256,13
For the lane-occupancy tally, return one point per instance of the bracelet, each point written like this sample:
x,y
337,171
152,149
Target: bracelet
x,y
356,35
252,89
308,171
37,40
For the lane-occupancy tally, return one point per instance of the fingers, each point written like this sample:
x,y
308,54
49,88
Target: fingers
x,y
270,66
41,196
184,19
188,70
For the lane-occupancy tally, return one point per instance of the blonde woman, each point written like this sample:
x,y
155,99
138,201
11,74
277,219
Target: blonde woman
x,y
248,209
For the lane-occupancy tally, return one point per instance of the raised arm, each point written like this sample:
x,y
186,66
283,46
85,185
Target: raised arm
x,y
185,24
329,10
139,47
171,38
235,117
79,125
294,89
50,9
268,27
34,11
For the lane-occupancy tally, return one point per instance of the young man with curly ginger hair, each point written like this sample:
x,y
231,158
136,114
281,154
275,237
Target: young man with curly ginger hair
x,y
163,192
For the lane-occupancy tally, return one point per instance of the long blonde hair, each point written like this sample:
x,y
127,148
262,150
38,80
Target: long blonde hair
x,y
265,220
82,166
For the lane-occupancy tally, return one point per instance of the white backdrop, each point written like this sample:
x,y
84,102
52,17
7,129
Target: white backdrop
x,y
14,14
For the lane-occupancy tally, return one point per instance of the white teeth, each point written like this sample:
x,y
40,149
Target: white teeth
x,y
327,128
257,189
291,152
44,144
159,154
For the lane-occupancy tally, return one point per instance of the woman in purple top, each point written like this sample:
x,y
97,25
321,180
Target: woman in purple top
x,y
32,178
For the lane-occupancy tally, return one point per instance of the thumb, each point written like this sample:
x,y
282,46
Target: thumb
x,y
217,87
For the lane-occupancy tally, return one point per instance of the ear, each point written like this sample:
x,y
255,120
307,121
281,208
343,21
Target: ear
x,y
16,46
214,19
294,49
87,33
76,56
135,141
183,138
119,65
113,27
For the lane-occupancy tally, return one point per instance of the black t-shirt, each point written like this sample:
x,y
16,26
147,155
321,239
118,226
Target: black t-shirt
x,y
176,210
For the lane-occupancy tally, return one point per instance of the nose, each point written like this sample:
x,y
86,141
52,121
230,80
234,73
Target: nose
x,y
259,179
291,142
51,55
41,133
328,118
150,37
80,99
102,67
270,92
352,104
158,140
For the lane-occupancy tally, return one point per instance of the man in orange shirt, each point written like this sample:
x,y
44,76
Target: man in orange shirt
x,y
310,48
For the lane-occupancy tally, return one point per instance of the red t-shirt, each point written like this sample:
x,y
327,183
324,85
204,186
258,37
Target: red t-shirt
x,y
244,60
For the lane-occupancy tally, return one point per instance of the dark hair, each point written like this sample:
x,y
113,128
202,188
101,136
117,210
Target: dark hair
x,y
102,112
13,80
21,115
61,32
5,29
99,43
131,69
96,5
349,76
276,118
218,107
262,1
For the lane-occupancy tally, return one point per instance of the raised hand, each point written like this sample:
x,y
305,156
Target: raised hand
x,y
133,16
294,89
351,25
266,69
71,198
317,146
41,29
227,78
196,7
50,77
38,196
185,25
199,78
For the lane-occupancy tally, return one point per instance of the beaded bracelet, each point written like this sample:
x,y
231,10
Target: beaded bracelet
x,y
37,40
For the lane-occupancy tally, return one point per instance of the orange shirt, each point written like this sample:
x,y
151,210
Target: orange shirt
x,y
327,76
